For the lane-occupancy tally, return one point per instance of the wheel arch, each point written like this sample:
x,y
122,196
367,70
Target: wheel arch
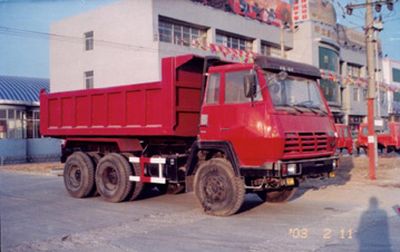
x,y
213,146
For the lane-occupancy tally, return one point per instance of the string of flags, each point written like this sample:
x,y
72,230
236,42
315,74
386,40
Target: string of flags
x,y
244,56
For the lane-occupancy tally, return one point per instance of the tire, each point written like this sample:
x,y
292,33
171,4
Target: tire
x,y
95,157
79,175
279,196
218,189
138,188
112,178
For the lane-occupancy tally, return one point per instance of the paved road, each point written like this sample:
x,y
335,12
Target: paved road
x,y
38,215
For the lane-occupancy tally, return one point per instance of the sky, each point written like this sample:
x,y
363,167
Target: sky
x,y
27,54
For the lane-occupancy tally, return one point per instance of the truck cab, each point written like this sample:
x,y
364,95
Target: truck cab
x,y
344,140
271,121
388,137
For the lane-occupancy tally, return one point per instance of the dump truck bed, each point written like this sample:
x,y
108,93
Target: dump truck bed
x,y
170,107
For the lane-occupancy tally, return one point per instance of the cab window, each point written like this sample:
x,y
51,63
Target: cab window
x,y
212,94
234,88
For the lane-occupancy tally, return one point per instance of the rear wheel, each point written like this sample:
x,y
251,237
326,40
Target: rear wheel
x,y
282,195
79,175
112,177
218,189
95,157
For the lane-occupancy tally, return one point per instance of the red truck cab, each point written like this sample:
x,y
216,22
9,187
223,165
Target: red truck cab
x,y
344,140
388,138
237,128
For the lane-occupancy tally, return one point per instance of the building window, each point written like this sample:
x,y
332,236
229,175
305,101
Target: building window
x,y
270,50
12,123
89,79
396,74
233,41
213,89
396,96
89,40
3,123
328,59
354,70
356,94
365,93
180,33
330,90
382,97
33,124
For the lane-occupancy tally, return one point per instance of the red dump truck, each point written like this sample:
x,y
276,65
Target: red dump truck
x,y
221,129
344,138
388,139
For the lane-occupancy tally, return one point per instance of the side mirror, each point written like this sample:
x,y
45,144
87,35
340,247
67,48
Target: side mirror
x,y
250,85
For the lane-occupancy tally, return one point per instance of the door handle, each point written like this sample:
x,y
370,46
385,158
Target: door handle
x,y
225,129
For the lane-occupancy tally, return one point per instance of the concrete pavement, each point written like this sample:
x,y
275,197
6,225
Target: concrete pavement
x,y
38,215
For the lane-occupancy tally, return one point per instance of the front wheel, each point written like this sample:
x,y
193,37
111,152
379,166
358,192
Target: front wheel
x,y
279,196
218,189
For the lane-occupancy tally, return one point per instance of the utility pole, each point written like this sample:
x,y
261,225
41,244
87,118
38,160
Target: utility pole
x,y
369,40
372,150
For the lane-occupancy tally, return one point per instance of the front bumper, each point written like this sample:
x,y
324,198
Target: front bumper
x,y
293,168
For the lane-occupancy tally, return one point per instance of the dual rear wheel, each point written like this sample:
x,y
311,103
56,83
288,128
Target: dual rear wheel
x,y
88,173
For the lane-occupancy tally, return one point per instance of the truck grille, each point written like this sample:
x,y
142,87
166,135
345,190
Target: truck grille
x,y
305,142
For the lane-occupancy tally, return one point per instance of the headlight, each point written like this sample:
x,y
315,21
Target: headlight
x,y
332,133
291,169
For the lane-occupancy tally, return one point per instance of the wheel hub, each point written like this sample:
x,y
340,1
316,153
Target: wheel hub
x,y
110,178
215,189
75,176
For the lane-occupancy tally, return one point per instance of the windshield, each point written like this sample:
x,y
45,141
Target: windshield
x,y
294,92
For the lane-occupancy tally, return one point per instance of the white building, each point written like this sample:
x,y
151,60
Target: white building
x,y
122,43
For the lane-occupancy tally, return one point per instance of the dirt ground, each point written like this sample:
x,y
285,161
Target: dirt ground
x,y
33,168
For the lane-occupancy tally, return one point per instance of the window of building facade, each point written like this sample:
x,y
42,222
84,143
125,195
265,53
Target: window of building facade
x,y
3,123
354,70
212,96
328,59
365,93
382,97
89,40
396,96
12,123
356,94
396,74
330,90
269,50
89,79
180,33
33,124
233,41
234,88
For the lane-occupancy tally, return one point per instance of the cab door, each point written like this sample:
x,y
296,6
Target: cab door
x,y
211,110
243,120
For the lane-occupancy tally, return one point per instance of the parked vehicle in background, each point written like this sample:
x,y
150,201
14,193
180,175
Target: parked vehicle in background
x,y
344,140
388,138
258,127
